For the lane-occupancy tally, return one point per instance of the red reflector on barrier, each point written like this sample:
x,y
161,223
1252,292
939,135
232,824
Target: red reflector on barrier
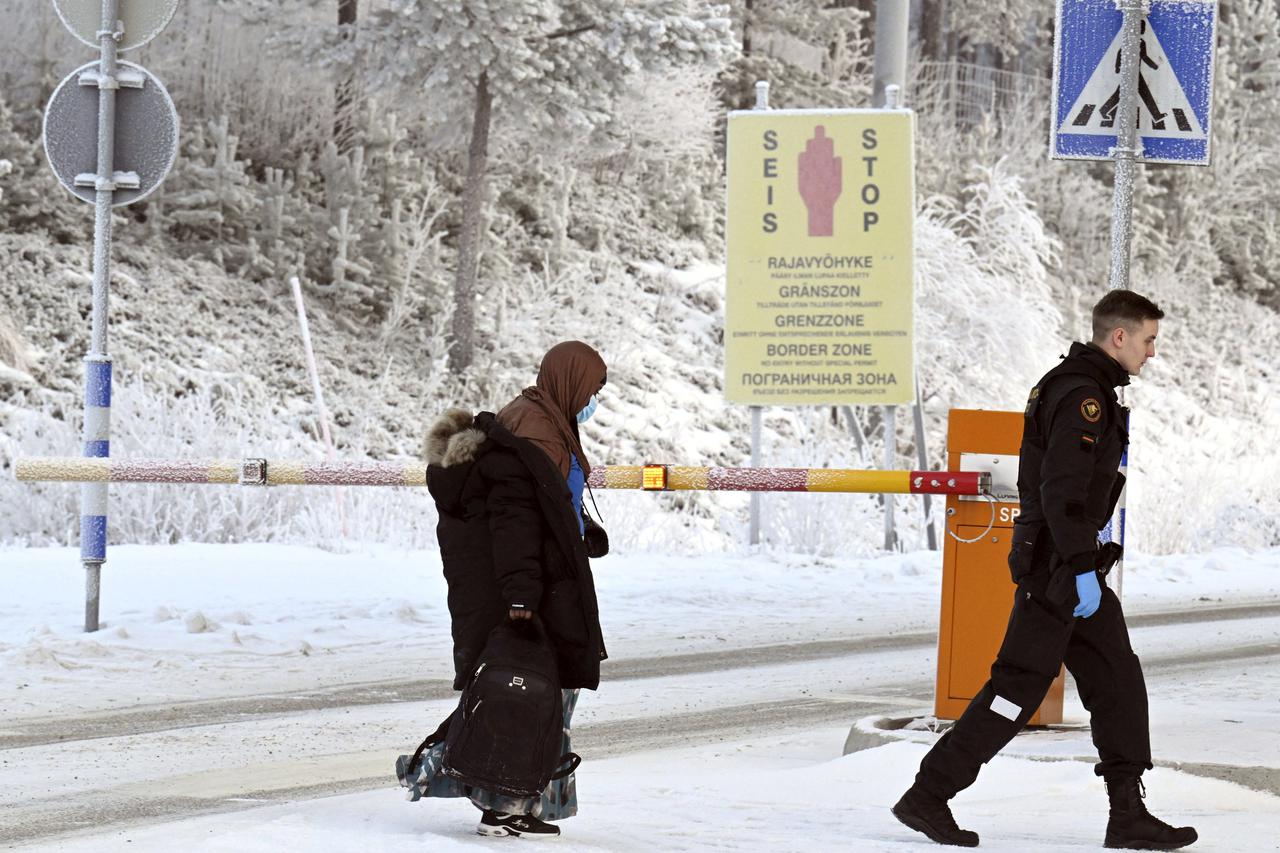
x,y
946,482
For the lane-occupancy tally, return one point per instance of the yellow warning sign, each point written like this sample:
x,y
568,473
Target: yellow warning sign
x,y
819,294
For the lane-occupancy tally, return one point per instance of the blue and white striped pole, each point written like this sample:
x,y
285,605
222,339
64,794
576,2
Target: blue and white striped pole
x,y
93,496
1117,522
97,375
1115,527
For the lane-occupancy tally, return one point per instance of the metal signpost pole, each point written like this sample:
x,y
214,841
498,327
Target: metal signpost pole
x,y
97,381
890,78
129,120
1128,146
890,62
922,456
757,412
890,452
1128,149
757,415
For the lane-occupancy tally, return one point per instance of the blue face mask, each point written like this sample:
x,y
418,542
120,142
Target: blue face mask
x,y
588,410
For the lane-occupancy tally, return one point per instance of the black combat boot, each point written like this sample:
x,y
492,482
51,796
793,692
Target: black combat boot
x,y
1132,827
926,813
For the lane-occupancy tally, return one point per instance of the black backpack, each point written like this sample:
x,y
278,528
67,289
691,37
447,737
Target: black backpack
x,y
506,733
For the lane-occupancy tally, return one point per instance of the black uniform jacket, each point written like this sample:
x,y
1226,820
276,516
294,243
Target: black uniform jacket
x,y
1073,439
508,536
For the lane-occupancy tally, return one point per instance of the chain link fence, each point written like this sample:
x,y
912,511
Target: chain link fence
x,y
970,95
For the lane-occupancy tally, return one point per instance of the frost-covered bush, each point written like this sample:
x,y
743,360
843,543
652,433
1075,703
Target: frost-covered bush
x,y
1204,421
828,524
30,196
986,321
16,359
213,423
814,55
1231,206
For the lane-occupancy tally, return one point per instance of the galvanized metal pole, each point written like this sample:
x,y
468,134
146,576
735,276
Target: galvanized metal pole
x,y
859,438
756,418
1128,146
892,31
890,80
922,456
757,412
1128,149
97,378
890,458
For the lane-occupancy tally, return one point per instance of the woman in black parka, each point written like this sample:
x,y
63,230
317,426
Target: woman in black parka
x,y
508,488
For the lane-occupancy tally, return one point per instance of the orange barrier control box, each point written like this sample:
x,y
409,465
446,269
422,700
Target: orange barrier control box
x,y
977,593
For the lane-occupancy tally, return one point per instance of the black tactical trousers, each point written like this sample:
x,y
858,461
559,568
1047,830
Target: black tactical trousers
x,y
1042,636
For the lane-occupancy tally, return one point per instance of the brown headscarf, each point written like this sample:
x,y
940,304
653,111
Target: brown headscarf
x,y
546,413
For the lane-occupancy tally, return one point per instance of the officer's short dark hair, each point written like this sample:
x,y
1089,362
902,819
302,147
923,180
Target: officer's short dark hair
x,y
1122,308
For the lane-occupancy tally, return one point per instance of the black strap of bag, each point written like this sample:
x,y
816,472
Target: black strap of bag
x,y
432,739
594,536
574,760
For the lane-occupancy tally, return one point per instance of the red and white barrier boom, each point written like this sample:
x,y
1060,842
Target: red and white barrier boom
x,y
271,472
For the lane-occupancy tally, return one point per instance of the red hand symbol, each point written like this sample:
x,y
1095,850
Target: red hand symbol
x,y
821,181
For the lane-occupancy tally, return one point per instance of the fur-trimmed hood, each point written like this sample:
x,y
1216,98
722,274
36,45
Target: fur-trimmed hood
x,y
453,439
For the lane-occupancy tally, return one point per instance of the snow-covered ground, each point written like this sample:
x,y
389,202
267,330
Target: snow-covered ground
x,y
721,723
784,793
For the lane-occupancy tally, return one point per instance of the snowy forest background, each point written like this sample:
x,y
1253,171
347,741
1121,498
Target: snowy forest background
x,y
339,140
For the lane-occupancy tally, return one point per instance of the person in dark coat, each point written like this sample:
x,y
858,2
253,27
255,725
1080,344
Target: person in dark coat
x,y
508,488
1074,437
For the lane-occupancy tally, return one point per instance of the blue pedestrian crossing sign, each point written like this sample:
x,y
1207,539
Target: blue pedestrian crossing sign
x,y
1175,80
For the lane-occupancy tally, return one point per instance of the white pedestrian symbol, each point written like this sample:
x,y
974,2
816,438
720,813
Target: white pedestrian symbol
x,y
1163,107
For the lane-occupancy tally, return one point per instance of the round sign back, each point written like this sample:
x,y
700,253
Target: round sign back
x,y
143,19
146,133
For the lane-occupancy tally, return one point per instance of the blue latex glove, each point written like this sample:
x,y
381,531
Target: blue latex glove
x,y
1090,594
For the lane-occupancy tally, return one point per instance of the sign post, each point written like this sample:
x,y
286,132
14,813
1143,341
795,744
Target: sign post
x,y
1132,81
105,115
757,412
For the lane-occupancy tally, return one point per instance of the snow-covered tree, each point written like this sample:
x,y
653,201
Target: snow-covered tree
x,y
1010,35
814,53
210,203
344,93
551,67
1010,26
807,20
1246,152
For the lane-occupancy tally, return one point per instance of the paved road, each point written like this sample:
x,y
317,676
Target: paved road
x,y
144,719
62,776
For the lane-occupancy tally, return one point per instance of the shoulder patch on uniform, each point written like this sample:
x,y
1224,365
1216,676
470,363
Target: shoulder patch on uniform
x,y
1091,410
